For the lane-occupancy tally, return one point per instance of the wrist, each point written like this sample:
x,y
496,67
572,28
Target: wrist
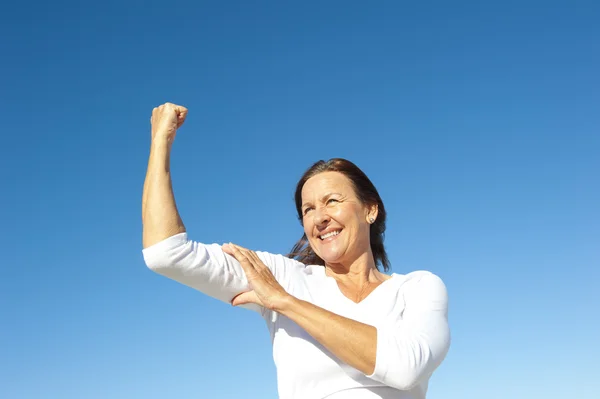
x,y
286,304
161,143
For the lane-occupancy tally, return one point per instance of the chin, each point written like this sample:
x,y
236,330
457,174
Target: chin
x,y
330,254
331,257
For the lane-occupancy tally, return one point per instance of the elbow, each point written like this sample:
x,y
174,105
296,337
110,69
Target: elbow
x,y
159,262
403,375
407,380
153,237
168,254
415,367
158,265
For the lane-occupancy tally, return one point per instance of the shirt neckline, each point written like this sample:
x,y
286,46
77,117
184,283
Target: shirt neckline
x,y
380,287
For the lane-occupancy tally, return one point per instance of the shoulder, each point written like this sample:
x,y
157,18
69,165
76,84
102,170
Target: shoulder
x,y
424,287
423,277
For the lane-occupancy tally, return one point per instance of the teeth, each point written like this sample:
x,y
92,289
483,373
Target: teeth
x,y
330,234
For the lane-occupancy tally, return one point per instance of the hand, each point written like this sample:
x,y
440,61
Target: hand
x,y
266,290
166,119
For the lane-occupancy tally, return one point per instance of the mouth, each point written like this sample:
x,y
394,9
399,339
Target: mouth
x,y
330,235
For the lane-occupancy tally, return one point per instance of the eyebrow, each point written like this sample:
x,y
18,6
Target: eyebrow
x,y
322,198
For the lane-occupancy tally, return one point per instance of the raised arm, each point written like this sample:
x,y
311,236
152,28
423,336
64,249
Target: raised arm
x,y
160,218
167,249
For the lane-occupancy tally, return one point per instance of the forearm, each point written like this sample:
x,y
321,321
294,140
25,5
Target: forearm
x,y
352,342
160,218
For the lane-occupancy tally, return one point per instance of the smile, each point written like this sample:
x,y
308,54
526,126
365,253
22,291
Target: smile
x,y
330,234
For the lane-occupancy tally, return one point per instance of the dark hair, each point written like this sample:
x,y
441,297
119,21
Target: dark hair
x,y
366,193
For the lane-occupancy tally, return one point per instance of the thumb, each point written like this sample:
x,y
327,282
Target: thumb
x,y
245,298
181,115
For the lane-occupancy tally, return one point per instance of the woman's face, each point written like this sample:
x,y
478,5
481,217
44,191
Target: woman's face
x,y
335,221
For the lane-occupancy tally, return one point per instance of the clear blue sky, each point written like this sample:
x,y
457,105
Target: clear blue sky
x,y
479,124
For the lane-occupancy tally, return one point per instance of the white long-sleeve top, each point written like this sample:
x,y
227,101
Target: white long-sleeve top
x,y
410,313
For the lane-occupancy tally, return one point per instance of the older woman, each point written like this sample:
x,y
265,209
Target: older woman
x,y
340,328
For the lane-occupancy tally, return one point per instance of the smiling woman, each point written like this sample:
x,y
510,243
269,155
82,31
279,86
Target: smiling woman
x,y
340,327
356,187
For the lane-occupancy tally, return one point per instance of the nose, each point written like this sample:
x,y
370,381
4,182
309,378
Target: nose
x,y
321,217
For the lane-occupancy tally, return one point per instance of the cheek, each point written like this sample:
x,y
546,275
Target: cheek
x,y
344,214
307,229
337,213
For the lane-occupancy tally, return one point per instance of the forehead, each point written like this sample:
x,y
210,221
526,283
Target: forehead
x,y
326,182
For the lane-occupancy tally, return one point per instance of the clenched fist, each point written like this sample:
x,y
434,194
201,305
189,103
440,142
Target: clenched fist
x,y
166,119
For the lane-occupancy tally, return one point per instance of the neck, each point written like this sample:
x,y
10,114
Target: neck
x,y
358,272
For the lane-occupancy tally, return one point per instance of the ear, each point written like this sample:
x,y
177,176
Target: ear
x,y
372,213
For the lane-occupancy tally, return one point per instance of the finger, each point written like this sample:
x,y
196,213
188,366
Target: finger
x,y
181,115
246,264
181,111
241,250
245,298
239,247
227,249
233,251
248,254
230,248
254,257
243,253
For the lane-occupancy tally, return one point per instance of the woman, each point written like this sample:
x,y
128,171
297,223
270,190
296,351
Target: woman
x,y
340,328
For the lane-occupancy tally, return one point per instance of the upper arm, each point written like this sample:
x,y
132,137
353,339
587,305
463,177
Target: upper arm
x,y
204,267
410,349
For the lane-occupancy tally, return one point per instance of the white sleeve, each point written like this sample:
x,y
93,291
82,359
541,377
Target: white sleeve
x,y
206,268
410,349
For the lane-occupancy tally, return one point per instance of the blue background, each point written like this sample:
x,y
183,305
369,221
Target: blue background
x,y
479,122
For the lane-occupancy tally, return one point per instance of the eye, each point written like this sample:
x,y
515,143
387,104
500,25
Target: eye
x,y
306,210
331,201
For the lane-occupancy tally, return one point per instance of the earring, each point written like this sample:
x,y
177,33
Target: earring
x,y
371,220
